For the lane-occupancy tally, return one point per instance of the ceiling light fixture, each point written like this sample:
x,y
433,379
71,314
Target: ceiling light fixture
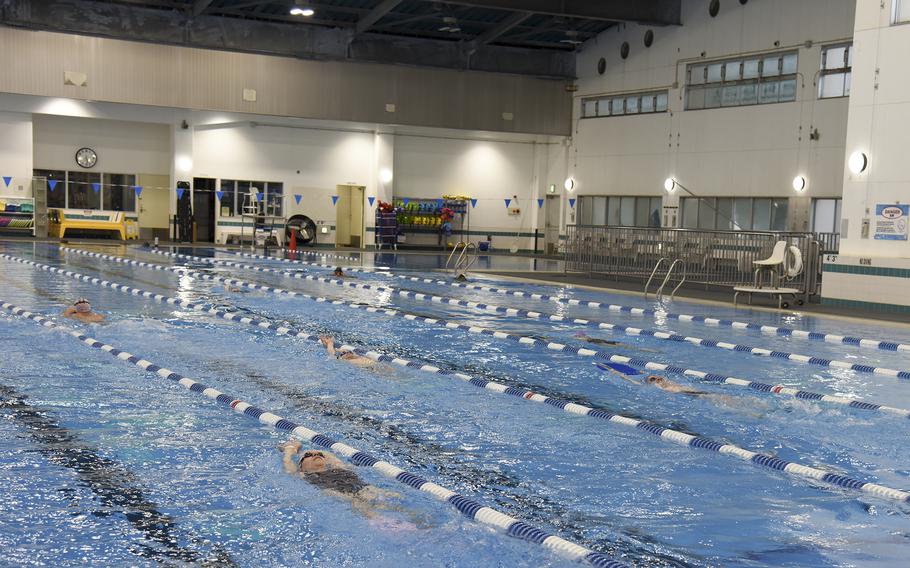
x,y
304,11
571,38
450,25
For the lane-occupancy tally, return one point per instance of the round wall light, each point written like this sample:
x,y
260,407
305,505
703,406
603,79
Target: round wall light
x,y
799,183
385,175
569,184
184,164
669,184
857,162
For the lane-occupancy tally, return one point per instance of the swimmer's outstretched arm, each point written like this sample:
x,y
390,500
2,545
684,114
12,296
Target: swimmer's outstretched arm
x,y
290,449
329,342
70,310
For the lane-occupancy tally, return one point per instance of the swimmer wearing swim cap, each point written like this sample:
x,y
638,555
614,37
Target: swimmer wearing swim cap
x,y
82,310
325,471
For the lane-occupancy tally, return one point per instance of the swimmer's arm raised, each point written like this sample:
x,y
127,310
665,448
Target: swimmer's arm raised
x,y
290,449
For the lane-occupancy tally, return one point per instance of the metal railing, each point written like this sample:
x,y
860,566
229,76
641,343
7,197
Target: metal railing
x,y
711,258
829,242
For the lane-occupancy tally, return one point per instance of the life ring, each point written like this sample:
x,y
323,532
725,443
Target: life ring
x,y
793,262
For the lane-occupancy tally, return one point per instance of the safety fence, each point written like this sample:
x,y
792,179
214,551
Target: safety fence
x,y
710,258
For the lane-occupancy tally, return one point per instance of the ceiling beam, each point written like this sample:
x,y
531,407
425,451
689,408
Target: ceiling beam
x,y
199,6
656,12
502,27
376,14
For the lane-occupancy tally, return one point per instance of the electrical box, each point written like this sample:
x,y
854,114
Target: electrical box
x,y
514,211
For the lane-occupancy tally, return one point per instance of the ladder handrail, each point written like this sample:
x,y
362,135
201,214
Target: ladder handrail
x,y
464,261
454,250
660,291
653,272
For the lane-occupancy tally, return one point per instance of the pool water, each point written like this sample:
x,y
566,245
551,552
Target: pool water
x,y
102,463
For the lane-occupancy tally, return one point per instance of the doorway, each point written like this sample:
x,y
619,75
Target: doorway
x,y
551,224
204,208
349,216
154,206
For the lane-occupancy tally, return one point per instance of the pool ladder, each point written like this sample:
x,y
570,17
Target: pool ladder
x,y
660,291
467,256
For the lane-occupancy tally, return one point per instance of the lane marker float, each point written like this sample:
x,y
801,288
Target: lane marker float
x,y
465,505
509,311
704,320
678,437
768,388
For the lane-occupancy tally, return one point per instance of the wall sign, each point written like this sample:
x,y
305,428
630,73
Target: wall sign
x,y
891,222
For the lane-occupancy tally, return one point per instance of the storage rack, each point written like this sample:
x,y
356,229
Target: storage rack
x,y
422,215
386,229
12,216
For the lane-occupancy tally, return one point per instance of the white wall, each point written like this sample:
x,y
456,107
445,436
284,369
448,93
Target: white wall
x,y
747,151
16,153
308,162
879,126
489,171
122,146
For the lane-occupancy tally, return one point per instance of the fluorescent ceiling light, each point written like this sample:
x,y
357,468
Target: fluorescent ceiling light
x,y
306,11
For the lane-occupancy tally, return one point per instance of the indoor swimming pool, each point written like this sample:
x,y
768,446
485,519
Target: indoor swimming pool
x,y
791,455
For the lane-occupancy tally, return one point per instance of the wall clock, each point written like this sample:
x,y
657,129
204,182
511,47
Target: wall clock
x,y
86,157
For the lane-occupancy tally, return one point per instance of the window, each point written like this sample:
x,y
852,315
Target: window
x,y
620,211
274,198
76,190
620,105
118,192
243,196
900,12
836,70
735,214
228,192
826,215
80,190
741,82
57,196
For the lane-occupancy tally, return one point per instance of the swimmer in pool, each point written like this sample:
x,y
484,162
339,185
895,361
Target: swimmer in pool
x,y
339,273
327,472
461,278
343,354
582,336
82,310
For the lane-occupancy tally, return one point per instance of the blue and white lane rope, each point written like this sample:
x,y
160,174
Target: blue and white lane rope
x,y
709,321
681,438
260,322
465,505
509,311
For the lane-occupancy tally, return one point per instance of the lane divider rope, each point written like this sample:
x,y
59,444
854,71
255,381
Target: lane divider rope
x,y
760,387
465,505
704,320
509,311
681,438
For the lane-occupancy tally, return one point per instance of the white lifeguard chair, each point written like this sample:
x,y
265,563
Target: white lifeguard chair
x,y
773,264
785,263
